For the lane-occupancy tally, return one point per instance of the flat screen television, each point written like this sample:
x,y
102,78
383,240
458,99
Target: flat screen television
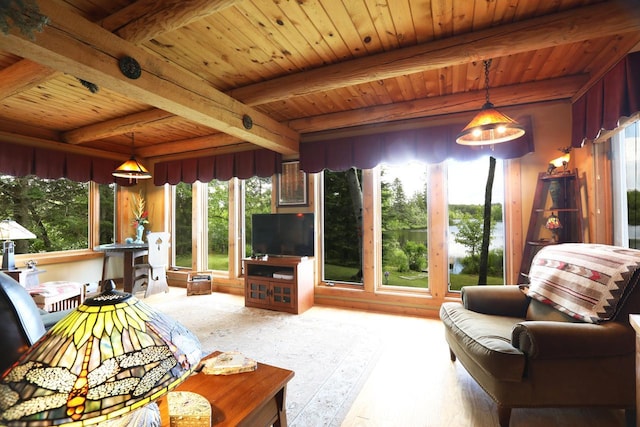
x,y
282,234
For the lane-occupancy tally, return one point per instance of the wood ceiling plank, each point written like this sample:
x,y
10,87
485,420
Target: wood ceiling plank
x,y
73,44
402,19
566,27
379,12
422,21
363,24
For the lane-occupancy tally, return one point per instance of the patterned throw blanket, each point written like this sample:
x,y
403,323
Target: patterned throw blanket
x,y
585,281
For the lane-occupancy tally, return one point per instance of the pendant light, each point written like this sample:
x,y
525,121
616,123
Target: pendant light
x,y
132,169
489,126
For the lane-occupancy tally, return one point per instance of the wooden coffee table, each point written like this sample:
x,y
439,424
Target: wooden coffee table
x,y
253,399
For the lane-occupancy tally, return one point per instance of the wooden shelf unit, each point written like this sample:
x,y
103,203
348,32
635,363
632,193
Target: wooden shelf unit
x,y
291,290
556,194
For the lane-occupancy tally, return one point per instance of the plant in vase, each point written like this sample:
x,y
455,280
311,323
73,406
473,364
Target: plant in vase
x,y
140,216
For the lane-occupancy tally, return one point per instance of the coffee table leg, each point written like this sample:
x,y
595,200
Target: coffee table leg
x,y
281,401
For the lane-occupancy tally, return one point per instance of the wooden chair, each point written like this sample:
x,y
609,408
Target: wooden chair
x,y
152,275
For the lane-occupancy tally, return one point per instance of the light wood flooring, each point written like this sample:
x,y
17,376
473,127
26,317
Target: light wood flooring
x,y
415,384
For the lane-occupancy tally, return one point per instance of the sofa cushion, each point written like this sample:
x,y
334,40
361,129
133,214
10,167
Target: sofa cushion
x,y
584,281
487,340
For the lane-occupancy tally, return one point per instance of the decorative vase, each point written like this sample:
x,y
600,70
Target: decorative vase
x,y
555,190
139,232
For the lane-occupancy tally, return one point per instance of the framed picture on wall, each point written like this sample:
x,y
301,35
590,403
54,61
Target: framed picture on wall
x,y
292,185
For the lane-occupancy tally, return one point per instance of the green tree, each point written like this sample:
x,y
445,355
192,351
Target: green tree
x,y
55,210
470,233
218,216
633,207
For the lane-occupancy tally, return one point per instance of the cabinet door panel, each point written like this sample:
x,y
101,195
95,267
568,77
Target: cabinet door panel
x,y
283,295
257,292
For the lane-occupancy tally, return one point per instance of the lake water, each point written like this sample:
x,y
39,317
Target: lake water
x,y
456,250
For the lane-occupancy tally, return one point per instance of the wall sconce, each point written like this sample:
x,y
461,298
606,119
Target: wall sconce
x,y
9,231
110,356
560,162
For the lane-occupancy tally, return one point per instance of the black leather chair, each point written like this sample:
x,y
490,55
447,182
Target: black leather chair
x,y
22,323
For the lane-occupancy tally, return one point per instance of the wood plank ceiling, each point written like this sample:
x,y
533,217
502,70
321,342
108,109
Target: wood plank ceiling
x,y
295,67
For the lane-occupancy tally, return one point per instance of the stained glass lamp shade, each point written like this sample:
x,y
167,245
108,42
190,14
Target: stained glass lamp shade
x,y
111,355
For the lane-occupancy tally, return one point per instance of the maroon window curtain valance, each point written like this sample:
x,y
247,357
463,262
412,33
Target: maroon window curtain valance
x,y
429,145
245,164
20,160
614,96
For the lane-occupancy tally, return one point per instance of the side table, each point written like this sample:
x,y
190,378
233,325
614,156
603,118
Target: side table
x,y
248,399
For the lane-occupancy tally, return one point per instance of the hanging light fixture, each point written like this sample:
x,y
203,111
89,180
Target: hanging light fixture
x,y
489,126
132,169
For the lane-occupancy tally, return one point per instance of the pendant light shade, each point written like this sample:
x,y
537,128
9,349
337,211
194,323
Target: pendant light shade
x,y
489,126
132,168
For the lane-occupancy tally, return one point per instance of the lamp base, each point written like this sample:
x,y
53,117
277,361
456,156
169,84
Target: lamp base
x,y
8,259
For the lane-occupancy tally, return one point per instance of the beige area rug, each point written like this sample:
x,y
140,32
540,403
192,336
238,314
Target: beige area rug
x,y
331,351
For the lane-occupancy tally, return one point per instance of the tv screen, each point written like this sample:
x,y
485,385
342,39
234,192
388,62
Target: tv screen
x,y
283,234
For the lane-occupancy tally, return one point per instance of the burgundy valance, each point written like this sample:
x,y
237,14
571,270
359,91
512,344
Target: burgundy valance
x,y
614,96
20,160
245,164
430,145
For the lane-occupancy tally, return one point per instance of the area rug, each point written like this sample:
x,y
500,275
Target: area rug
x,y
331,355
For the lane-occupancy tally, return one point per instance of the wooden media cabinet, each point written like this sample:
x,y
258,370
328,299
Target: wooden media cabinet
x,y
279,283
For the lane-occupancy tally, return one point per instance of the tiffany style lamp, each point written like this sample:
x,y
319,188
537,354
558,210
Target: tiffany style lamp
x,y
111,355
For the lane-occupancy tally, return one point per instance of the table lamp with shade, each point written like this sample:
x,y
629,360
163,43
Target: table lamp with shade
x,y
110,356
10,231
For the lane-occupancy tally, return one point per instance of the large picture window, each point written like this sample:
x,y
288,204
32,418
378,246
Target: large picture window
x,y
343,226
57,212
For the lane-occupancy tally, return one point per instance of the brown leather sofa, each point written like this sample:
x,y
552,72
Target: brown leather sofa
x,y
525,352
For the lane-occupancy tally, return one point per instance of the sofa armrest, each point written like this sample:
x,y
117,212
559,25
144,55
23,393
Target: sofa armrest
x,y
559,340
496,300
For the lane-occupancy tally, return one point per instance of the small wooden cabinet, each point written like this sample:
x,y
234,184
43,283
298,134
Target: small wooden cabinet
x,y
279,283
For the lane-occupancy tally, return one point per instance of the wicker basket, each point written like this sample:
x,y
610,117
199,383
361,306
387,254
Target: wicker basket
x,y
199,283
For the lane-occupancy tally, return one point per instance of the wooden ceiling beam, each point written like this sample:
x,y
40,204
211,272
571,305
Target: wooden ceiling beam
x,y
575,25
146,19
118,126
23,75
527,93
74,45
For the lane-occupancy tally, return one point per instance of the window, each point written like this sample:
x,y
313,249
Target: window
x,y
57,211
467,183
257,199
403,195
342,228
218,225
626,182
107,211
183,225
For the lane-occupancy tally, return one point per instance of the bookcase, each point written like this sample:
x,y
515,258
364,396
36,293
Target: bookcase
x,y
556,216
279,283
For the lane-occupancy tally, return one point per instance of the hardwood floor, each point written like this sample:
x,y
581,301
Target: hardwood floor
x,y
415,384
